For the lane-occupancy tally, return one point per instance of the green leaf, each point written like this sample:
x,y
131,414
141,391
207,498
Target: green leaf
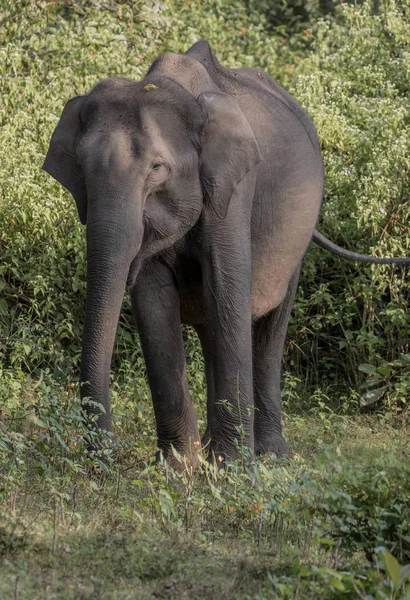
x,y
404,573
4,307
127,336
404,359
369,369
372,396
326,541
150,86
337,584
138,483
33,418
392,568
384,370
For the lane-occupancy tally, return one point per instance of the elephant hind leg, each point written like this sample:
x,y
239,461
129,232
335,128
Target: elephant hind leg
x,y
269,333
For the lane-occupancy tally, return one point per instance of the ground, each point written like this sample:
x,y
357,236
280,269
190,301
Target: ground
x,y
253,532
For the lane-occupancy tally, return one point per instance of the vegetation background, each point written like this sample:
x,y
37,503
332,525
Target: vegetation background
x,y
333,521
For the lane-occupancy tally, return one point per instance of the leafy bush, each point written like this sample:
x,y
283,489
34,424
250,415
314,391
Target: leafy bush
x,y
351,74
354,83
362,509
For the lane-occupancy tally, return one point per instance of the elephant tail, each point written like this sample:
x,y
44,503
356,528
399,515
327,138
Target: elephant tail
x,y
328,245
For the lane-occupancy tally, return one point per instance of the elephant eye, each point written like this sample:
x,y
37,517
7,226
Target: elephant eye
x,y
159,170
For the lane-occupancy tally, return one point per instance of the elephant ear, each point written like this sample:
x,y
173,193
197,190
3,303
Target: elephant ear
x,y
61,161
229,149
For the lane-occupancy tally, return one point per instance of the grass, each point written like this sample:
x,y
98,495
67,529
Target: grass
x,y
247,533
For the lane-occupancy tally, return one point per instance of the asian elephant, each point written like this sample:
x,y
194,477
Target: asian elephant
x,y
201,187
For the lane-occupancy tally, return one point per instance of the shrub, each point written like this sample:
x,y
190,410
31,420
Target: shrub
x,y
351,74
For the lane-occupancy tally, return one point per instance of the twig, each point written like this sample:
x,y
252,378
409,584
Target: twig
x,y
55,526
117,492
60,67
74,502
260,528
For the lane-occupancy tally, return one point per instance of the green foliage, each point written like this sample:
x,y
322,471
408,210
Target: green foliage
x,y
387,384
364,509
351,74
354,83
272,527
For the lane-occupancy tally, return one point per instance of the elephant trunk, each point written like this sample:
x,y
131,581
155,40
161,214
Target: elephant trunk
x,y
111,247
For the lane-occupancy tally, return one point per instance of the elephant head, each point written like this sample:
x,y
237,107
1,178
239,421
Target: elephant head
x,y
142,160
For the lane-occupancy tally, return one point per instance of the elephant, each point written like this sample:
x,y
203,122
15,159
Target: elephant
x,y
200,187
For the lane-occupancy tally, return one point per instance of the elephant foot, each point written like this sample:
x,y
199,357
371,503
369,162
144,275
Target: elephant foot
x,y
180,457
274,445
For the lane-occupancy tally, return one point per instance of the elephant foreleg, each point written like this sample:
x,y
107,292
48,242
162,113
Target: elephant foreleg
x,y
269,333
226,289
155,303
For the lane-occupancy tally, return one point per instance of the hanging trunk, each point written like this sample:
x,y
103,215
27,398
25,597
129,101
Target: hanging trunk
x,y
110,250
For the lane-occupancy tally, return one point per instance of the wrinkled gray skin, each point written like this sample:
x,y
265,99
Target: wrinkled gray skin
x,y
201,186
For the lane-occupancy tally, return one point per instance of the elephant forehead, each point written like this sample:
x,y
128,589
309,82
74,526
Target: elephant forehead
x,y
140,117
114,146
110,98
112,87
154,133
108,147
129,102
